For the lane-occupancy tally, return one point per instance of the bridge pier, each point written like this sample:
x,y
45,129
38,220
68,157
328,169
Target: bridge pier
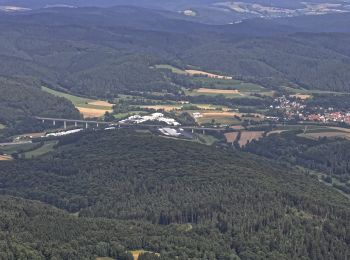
x,y
86,125
65,124
75,124
54,122
203,132
97,125
43,121
192,131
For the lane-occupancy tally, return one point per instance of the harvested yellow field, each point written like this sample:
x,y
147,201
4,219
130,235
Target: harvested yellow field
x,y
217,91
5,158
101,103
231,137
248,136
220,114
212,107
137,253
92,112
164,107
301,96
209,75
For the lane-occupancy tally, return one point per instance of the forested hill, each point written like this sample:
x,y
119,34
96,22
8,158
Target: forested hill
x,y
102,52
20,101
137,189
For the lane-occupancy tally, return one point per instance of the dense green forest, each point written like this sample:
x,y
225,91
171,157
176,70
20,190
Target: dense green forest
x,y
103,52
124,190
327,155
20,101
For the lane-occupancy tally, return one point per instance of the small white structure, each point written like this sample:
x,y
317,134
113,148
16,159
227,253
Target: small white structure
x,y
169,131
64,133
197,115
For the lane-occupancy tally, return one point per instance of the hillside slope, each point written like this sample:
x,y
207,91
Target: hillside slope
x,y
103,52
238,204
20,101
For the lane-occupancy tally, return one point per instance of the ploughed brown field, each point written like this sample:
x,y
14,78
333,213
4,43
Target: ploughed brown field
x,y
248,136
231,137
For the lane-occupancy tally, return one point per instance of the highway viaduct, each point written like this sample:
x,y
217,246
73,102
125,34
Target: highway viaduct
x,y
96,123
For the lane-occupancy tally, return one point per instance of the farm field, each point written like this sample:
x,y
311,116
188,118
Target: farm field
x,y
170,107
92,112
11,149
192,72
5,158
217,91
231,137
214,92
248,136
227,92
206,139
164,107
315,132
172,68
302,91
87,107
137,253
219,117
302,96
44,149
328,134
206,74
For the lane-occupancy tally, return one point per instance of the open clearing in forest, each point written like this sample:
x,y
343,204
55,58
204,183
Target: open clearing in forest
x,y
5,158
217,91
248,136
92,112
302,96
86,106
137,253
231,137
206,74
164,107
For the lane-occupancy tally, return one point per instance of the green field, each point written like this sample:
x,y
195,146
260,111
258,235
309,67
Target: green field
x,y
77,101
206,139
44,149
172,68
312,91
12,149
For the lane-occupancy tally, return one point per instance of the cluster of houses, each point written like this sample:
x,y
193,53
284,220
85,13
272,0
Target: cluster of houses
x,y
340,117
297,109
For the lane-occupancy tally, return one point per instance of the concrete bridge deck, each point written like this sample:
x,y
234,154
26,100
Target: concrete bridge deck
x,y
98,123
